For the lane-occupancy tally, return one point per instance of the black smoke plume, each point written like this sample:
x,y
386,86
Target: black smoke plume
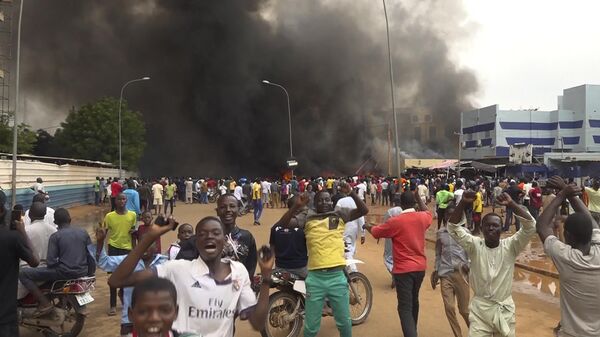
x,y
205,108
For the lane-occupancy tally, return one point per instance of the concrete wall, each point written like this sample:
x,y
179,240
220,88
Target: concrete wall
x,y
479,132
67,185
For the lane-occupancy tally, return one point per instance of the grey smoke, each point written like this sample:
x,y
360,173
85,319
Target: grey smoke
x,y
205,109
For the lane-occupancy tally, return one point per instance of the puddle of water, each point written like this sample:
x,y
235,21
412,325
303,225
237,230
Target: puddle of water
x,y
536,285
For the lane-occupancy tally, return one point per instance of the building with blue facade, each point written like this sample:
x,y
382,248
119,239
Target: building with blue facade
x,y
574,127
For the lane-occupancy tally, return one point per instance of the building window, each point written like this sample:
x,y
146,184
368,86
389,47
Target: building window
x,y
418,133
428,118
432,131
415,119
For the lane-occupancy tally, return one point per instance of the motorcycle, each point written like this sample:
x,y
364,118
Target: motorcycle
x,y
286,306
245,206
69,298
196,197
213,195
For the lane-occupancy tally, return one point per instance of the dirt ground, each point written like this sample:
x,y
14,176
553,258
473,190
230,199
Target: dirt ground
x,y
536,296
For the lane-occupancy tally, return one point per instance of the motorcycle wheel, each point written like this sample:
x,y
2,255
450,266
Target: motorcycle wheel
x,y
72,317
360,311
282,303
213,198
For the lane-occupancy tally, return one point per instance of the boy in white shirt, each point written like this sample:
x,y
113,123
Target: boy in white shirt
x,y
211,291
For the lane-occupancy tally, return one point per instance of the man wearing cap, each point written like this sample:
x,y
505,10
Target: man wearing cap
x,y
189,185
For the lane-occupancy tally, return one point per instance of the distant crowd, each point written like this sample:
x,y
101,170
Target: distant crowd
x,y
208,272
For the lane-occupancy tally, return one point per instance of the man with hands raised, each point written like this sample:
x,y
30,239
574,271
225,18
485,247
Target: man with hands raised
x,y
577,261
211,291
324,231
492,310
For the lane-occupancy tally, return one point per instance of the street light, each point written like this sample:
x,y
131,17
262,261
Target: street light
x,y
387,26
15,128
289,114
146,78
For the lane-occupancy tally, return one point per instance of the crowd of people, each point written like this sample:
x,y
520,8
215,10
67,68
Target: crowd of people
x,y
203,281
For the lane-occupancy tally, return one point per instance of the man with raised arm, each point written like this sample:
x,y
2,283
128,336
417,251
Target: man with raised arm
x,y
492,311
577,261
324,231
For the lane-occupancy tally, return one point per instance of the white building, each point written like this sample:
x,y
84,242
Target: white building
x,y
574,127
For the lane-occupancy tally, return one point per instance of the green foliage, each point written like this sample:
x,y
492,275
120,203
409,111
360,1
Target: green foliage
x,y
92,133
44,146
25,137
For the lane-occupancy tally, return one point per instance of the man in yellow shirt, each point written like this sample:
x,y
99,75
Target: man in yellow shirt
x,y
477,210
324,231
257,201
120,224
329,185
594,198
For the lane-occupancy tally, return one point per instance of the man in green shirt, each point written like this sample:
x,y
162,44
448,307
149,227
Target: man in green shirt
x,y
170,190
97,191
442,198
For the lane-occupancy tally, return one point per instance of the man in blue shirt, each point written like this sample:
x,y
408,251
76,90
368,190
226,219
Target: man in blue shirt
x,y
151,258
133,198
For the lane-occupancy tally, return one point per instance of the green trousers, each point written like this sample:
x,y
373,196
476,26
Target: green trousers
x,y
333,286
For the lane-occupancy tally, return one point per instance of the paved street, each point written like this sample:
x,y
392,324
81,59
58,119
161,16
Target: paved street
x,y
535,295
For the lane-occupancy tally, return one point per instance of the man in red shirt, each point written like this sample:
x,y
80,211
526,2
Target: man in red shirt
x,y
407,232
115,189
535,199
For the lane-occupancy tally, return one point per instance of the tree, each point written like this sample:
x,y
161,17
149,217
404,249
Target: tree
x,y
44,146
92,133
25,137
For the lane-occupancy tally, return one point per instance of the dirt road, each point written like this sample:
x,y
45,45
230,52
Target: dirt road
x,y
535,295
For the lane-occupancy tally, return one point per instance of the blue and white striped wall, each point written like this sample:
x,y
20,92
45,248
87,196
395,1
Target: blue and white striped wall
x,y
68,185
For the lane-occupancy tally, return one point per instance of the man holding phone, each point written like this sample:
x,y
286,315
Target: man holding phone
x,y
14,246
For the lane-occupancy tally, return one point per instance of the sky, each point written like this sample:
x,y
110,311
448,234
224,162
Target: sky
x,y
525,52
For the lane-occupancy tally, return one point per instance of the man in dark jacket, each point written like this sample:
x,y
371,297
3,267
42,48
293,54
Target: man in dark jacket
x,y
240,242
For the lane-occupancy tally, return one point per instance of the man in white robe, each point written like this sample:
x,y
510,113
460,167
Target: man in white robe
x,y
492,311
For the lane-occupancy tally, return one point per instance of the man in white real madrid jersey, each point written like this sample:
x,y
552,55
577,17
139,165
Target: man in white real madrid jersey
x,y
211,291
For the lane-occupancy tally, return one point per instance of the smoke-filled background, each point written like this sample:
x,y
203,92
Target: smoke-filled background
x,y
205,109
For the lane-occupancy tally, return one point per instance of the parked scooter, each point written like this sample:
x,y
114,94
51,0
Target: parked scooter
x,y
69,298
